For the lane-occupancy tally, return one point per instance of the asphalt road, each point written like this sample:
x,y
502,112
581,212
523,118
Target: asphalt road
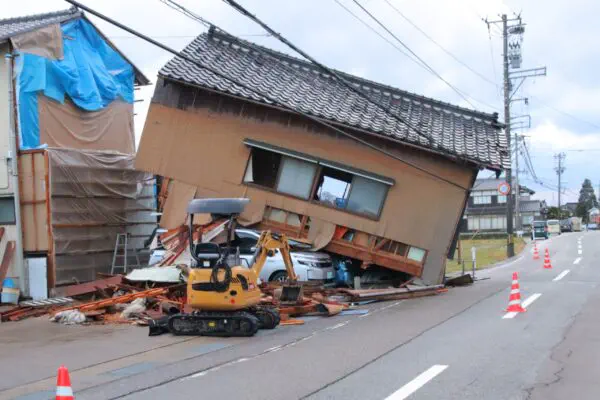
x,y
458,345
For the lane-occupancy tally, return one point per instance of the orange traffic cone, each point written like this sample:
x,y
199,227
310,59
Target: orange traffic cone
x,y
536,253
514,301
63,385
547,264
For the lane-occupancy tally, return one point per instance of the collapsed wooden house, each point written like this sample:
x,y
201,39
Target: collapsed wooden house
x,y
395,202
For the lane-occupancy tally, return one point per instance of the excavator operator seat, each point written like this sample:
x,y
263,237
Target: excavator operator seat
x,y
206,255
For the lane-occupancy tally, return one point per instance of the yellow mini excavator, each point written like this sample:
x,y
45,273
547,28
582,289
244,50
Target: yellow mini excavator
x,y
223,293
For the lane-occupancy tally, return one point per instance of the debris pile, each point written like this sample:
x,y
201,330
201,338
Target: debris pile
x,y
112,299
150,294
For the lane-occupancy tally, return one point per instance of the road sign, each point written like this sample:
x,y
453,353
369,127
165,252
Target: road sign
x,y
504,188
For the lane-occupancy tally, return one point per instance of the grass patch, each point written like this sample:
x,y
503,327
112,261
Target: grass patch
x,y
489,252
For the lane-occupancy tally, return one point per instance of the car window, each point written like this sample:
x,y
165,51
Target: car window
x,y
245,241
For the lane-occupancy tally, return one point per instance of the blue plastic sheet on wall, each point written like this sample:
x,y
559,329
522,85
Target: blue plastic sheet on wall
x,y
92,74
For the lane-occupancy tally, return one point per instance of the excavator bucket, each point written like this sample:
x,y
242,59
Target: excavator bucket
x,y
291,295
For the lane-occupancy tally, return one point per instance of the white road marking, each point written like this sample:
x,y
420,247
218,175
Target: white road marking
x,y
390,305
526,303
577,260
218,367
276,348
417,383
580,252
561,275
337,326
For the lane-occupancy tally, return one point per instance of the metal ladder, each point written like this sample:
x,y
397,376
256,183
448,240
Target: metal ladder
x,y
122,243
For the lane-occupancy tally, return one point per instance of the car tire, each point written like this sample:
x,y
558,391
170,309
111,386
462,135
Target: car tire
x,y
278,276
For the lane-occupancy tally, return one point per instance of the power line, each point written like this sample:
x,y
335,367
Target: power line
x,y
528,159
236,6
458,60
409,56
375,31
181,36
429,68
183,10
566,113
286,107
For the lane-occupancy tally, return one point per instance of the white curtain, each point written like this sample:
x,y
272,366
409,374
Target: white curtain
x,y
296,177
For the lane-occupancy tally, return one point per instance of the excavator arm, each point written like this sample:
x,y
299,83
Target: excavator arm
x,y
268,243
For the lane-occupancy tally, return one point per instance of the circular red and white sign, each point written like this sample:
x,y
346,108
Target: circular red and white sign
x,y
504,188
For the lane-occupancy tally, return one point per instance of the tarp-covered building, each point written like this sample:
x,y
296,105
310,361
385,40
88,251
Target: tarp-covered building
x,y
66,99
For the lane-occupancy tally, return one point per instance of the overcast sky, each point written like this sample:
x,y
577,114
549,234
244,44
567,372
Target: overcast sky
x,y
564,105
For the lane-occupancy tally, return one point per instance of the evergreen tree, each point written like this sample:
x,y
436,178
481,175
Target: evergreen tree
x,y
587,200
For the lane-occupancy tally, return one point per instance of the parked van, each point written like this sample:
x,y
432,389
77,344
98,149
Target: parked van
x,y
539,230
553,227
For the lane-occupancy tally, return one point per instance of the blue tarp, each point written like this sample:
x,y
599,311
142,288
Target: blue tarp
x,y
92,74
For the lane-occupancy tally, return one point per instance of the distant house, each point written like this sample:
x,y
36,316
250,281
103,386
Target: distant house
x,y
218,136
571,208
486,209
67,146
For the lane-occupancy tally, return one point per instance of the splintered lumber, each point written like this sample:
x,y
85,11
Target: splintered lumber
x,y
95,305
27,314
88,287
292,322
391,294
17,310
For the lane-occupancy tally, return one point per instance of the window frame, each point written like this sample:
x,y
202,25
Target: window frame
x,y
321,165
14,220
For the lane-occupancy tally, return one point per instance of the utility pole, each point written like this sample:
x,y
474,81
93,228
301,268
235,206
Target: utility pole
x,y
511,58
510,246
559,171
517,185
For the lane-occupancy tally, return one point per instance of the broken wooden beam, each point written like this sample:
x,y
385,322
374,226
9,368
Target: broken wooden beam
x,y
88,287
94,305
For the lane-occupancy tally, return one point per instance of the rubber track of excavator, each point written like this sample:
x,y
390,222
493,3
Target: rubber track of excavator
x,y
268,317
205,323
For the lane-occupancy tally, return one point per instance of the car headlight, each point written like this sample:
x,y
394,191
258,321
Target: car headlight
x,y
308,263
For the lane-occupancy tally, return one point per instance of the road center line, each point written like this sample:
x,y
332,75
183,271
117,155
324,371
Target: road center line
x,y
417,383
561,275
577,260
580,252
525,304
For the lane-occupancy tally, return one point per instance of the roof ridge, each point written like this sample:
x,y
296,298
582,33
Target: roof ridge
x,y
219,34
72,10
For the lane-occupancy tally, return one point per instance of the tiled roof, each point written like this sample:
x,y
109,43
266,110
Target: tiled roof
x,y
297,84
14,26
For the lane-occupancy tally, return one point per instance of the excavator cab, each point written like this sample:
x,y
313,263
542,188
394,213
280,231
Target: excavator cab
x,y
228,208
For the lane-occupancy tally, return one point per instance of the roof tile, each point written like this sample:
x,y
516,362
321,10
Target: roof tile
x,y
14,26
297,84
